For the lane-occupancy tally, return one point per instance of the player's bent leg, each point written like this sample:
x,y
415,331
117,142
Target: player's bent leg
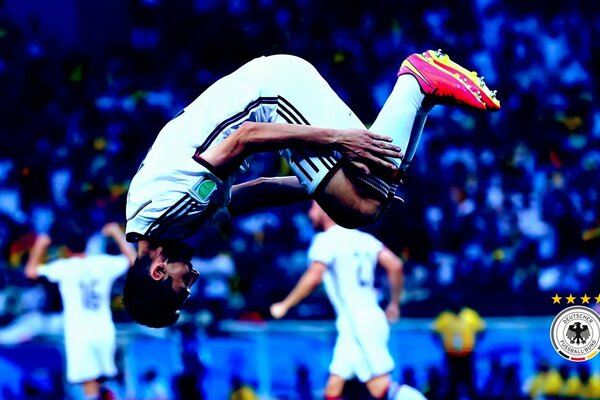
x,y
424,80
305,98
334,387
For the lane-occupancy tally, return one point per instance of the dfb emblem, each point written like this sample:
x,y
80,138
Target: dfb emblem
x,y
575,333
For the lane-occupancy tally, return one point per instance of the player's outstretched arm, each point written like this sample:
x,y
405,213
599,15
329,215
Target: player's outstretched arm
x,y
305,286
360,146
113,230
394,268
37,253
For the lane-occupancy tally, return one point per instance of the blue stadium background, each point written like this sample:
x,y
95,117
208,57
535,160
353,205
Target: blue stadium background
x,y
502,211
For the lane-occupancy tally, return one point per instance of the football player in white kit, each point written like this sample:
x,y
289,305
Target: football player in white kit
x,y
85,282
279,102
345,261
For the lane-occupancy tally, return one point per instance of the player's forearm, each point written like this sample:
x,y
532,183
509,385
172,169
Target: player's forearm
x,y
35,256
125,248
255,137
258,136
114,231
303,288
265,192
395,273
396,281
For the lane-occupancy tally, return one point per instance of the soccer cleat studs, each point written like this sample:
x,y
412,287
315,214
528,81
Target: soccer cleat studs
x,y
487,96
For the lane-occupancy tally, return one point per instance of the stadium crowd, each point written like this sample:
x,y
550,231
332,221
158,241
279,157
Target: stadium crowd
x,y
495,204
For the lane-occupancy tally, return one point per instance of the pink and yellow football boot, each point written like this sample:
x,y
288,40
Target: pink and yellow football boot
x,y
446,82
487,96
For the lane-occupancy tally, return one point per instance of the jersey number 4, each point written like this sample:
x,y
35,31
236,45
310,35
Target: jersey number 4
x,y
364,272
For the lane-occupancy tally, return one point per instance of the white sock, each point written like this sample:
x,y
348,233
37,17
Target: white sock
x,y
403,116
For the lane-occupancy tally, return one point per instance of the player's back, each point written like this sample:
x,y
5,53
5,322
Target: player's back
x,y
351,258
172,168
85,284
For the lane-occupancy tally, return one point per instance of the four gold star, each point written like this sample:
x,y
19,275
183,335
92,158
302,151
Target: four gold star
x,y
585,299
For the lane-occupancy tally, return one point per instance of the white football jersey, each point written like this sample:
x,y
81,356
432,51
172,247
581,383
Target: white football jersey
x,y
361,348
351,257
85,284
174,193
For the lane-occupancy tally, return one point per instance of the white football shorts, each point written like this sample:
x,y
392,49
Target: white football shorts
x,y
361,349
89,359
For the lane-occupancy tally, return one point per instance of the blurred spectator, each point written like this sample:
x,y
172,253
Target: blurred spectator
x,y
590,383
152,387
408,377
494,384
303,384
564,382
458,331
189,383
502,382
545,382
434,386
216,268
240,390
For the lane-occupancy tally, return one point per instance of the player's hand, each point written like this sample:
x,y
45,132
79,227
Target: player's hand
x,y
111,229
278,310
362,147
392,312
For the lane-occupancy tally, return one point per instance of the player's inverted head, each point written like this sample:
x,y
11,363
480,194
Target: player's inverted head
x,y
172,260
158,284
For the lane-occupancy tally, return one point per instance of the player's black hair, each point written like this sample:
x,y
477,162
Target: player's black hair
x,y
150,302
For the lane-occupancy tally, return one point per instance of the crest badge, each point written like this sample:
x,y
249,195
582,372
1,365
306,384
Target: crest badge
x,y
575,333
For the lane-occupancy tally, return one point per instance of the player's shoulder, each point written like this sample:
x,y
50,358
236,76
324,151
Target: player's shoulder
x,y
57,262
103,259
364,238
339,234
318,238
